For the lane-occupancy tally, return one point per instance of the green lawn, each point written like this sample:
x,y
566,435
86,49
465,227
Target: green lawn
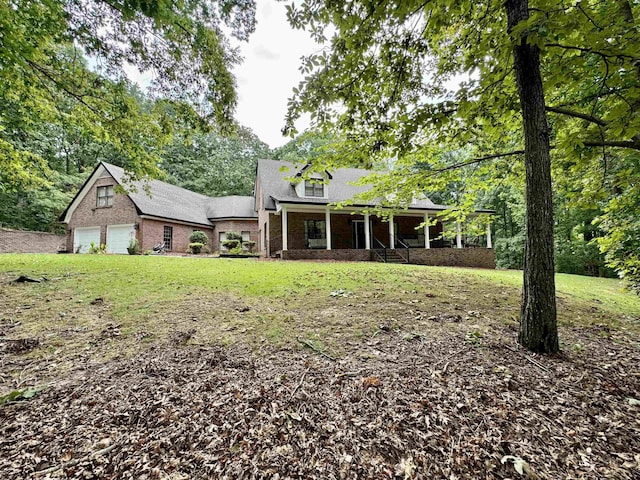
x,y
148,299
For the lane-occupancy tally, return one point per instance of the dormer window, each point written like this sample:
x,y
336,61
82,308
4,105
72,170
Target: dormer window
x,y
313,189
105,196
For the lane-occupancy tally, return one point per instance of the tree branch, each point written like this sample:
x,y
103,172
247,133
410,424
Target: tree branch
x,y
478,160
573,113
614,143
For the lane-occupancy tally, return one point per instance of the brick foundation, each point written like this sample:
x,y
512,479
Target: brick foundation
x,y
454,257
444,257
344,255
22,241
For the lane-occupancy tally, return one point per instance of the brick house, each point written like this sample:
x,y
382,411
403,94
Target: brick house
x,y
298,219
153,212
293,215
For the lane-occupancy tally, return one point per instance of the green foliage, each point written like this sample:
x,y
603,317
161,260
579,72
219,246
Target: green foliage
x,y
198,236
44,79
415,80
306,147
21,394
97,249
213,164
249,245
233,242
134,247
196,247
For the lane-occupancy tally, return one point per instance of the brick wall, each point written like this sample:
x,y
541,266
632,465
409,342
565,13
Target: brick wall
x,y
340,255
22,241
87,214
275,233
239,226
151,232
454,257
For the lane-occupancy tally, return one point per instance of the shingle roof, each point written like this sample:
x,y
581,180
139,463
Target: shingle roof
x,y
176,203
276,188
234,206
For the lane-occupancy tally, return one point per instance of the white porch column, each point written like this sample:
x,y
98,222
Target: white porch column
x,y
458,236
285,227
489,244
392,234
327,219
427,240
367,232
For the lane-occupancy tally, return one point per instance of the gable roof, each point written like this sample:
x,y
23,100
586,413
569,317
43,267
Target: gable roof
x,y
166,200
275,187
234,206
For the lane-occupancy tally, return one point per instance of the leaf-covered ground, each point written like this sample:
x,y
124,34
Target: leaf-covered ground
x,y
376,381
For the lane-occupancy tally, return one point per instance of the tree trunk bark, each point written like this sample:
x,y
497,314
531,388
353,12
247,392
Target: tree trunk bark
x,y
538,328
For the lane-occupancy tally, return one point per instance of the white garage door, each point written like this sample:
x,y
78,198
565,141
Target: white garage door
x,y
83,236
118,238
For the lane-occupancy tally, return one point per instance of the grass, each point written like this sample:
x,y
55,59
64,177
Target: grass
x,y
102,306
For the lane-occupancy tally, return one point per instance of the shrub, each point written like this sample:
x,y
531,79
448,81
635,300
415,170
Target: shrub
x,y
249,244
196,247
134,247
233,241
198,236
97,250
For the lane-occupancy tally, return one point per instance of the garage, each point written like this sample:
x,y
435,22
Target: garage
x,y
118,237
83,237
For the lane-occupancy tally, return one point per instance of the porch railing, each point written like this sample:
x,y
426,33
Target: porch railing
x,y
406,249
381,255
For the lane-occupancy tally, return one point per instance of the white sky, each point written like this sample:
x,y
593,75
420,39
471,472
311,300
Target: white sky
x,y
266,76
269,72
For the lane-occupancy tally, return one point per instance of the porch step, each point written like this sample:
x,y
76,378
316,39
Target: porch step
x,y
392,257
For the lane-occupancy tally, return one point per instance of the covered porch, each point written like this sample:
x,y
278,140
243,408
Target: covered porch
x,y
302,231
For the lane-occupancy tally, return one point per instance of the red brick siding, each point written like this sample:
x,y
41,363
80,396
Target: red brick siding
x,y
454,257
339,255
151,233
234,226
87,214
22,241
275,233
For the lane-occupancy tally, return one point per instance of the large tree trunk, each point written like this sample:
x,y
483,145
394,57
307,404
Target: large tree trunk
x,y
538,329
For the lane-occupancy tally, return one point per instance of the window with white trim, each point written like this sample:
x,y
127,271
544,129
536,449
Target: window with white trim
x,y
313,189
105,196
167,237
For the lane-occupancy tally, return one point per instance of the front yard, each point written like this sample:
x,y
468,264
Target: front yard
x,y
161,367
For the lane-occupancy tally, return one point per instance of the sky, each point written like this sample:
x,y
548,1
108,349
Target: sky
x,y
267,75
269,72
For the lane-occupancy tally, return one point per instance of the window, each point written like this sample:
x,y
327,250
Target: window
x,y
105,196
167,238
246,236
313,189
315,233
221,238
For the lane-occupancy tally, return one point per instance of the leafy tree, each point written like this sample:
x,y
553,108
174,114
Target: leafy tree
x,y
307,146
42,67
215,165
384,83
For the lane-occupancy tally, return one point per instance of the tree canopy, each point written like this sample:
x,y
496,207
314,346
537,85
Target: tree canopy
x,y
413,80
45,78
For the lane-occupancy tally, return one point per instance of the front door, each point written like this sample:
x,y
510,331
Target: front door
x,y
358,234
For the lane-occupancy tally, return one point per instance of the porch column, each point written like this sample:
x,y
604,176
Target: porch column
x,y
285,227
392,234
458,236
489,244
367,233
327,219
427,240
